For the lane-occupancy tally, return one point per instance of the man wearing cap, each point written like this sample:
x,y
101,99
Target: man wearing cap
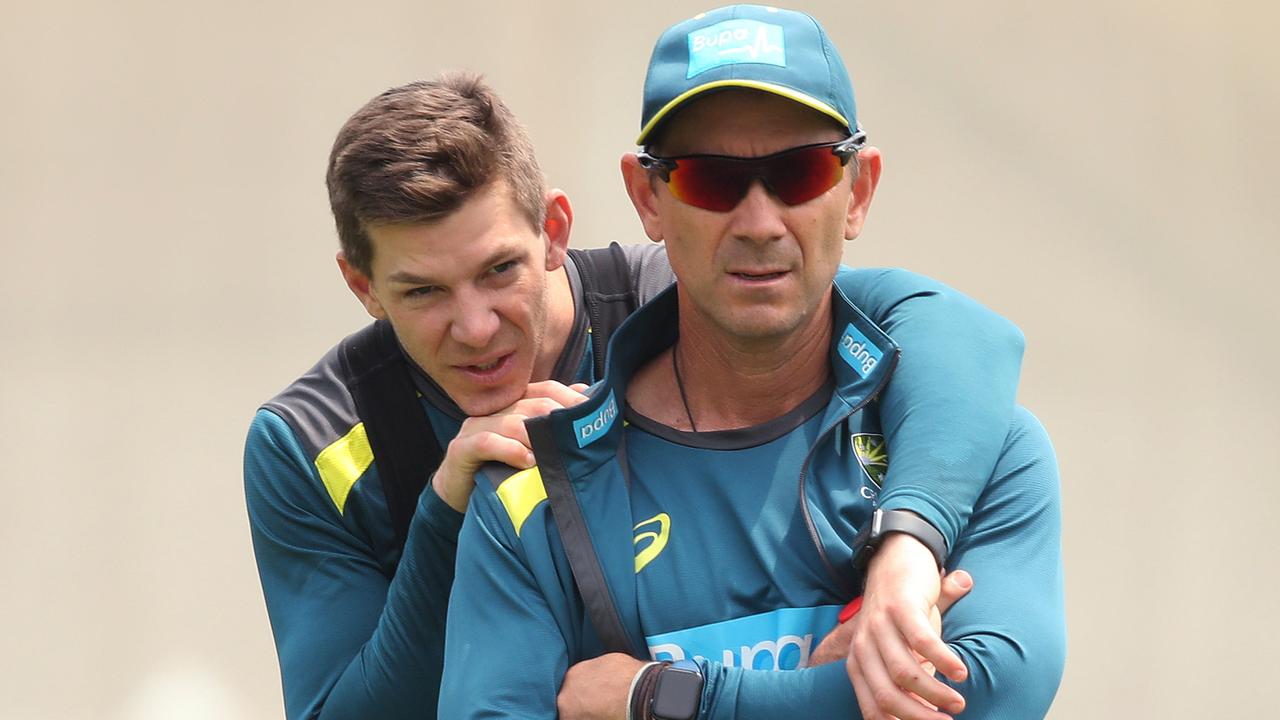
x,y
718,484
452,240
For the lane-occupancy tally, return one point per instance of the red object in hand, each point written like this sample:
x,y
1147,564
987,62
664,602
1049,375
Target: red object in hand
x,y
848,611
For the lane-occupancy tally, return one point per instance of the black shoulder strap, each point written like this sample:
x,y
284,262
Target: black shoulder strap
x,y
399,432
609,298
588,574
608,292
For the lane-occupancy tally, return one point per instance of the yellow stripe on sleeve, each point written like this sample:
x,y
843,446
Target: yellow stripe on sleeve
x,y
520,494
343,462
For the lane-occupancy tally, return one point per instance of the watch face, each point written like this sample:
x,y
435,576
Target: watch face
x,y
677,696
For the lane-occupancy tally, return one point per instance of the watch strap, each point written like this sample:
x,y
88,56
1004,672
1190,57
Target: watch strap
x,y
887,522
642,680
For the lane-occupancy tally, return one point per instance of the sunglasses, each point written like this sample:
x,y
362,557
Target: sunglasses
x,y
719,182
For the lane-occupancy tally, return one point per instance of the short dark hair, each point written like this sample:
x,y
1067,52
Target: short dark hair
x,y
416,153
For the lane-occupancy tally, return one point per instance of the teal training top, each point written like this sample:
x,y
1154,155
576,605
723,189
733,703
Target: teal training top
x,y
359,629
734,548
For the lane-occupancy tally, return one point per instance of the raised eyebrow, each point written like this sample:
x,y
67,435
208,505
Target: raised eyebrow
x,y
498,257
502,255
408,278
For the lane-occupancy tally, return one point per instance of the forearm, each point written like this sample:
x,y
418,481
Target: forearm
x,y
396,674
1013,676
733,693
947,410
1014,670
506,654
1010,630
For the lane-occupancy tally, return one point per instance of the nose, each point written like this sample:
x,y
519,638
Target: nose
x,y
758,217
475,321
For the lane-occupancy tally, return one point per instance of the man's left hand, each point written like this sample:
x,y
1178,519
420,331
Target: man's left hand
x,y
596,689
895,638
836,645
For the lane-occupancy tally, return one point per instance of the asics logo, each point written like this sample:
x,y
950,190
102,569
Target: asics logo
x,y
656,539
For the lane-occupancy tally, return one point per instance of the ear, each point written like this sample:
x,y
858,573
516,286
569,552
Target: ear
x,y
361,287
643,194
556,227
864,188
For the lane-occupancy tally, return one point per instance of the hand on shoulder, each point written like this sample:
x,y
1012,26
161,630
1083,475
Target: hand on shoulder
x,y
500,437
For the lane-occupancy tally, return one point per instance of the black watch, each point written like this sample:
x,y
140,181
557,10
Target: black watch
x,y
678,695
885,522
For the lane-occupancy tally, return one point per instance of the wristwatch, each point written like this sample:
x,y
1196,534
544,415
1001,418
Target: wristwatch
x,y
678,694
885,522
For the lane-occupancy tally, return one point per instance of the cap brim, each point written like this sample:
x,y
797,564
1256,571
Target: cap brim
x,y
786,92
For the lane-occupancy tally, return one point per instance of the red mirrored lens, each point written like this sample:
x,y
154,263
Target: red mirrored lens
x,y
710,183
803,175
719,183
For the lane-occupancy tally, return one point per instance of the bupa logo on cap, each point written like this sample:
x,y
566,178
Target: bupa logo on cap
x,y
593,427
858,350
735,41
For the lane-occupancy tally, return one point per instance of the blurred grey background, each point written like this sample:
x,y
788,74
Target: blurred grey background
x,y
1100,172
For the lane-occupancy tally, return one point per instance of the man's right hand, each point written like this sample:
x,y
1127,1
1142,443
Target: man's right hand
x,y
599,688
499,437
905,693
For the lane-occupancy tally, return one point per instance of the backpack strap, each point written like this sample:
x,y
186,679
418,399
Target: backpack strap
x,y
608,293
609,298
400,435
588,574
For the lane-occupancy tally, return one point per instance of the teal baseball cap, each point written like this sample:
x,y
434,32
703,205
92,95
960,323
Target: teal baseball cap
x,y
779,51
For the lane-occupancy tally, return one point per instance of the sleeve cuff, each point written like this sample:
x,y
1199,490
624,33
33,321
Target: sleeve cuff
x,y
933,511
438,516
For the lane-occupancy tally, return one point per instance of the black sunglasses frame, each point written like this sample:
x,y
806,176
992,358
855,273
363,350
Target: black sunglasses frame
x,y
663,166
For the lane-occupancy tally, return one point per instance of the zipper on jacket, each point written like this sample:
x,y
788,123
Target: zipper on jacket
x,y
804,469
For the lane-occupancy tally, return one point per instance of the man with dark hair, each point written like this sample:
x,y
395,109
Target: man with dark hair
x,y
721,478
455,126
357,475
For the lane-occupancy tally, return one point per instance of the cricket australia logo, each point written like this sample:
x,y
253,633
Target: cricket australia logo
x,y
873,456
